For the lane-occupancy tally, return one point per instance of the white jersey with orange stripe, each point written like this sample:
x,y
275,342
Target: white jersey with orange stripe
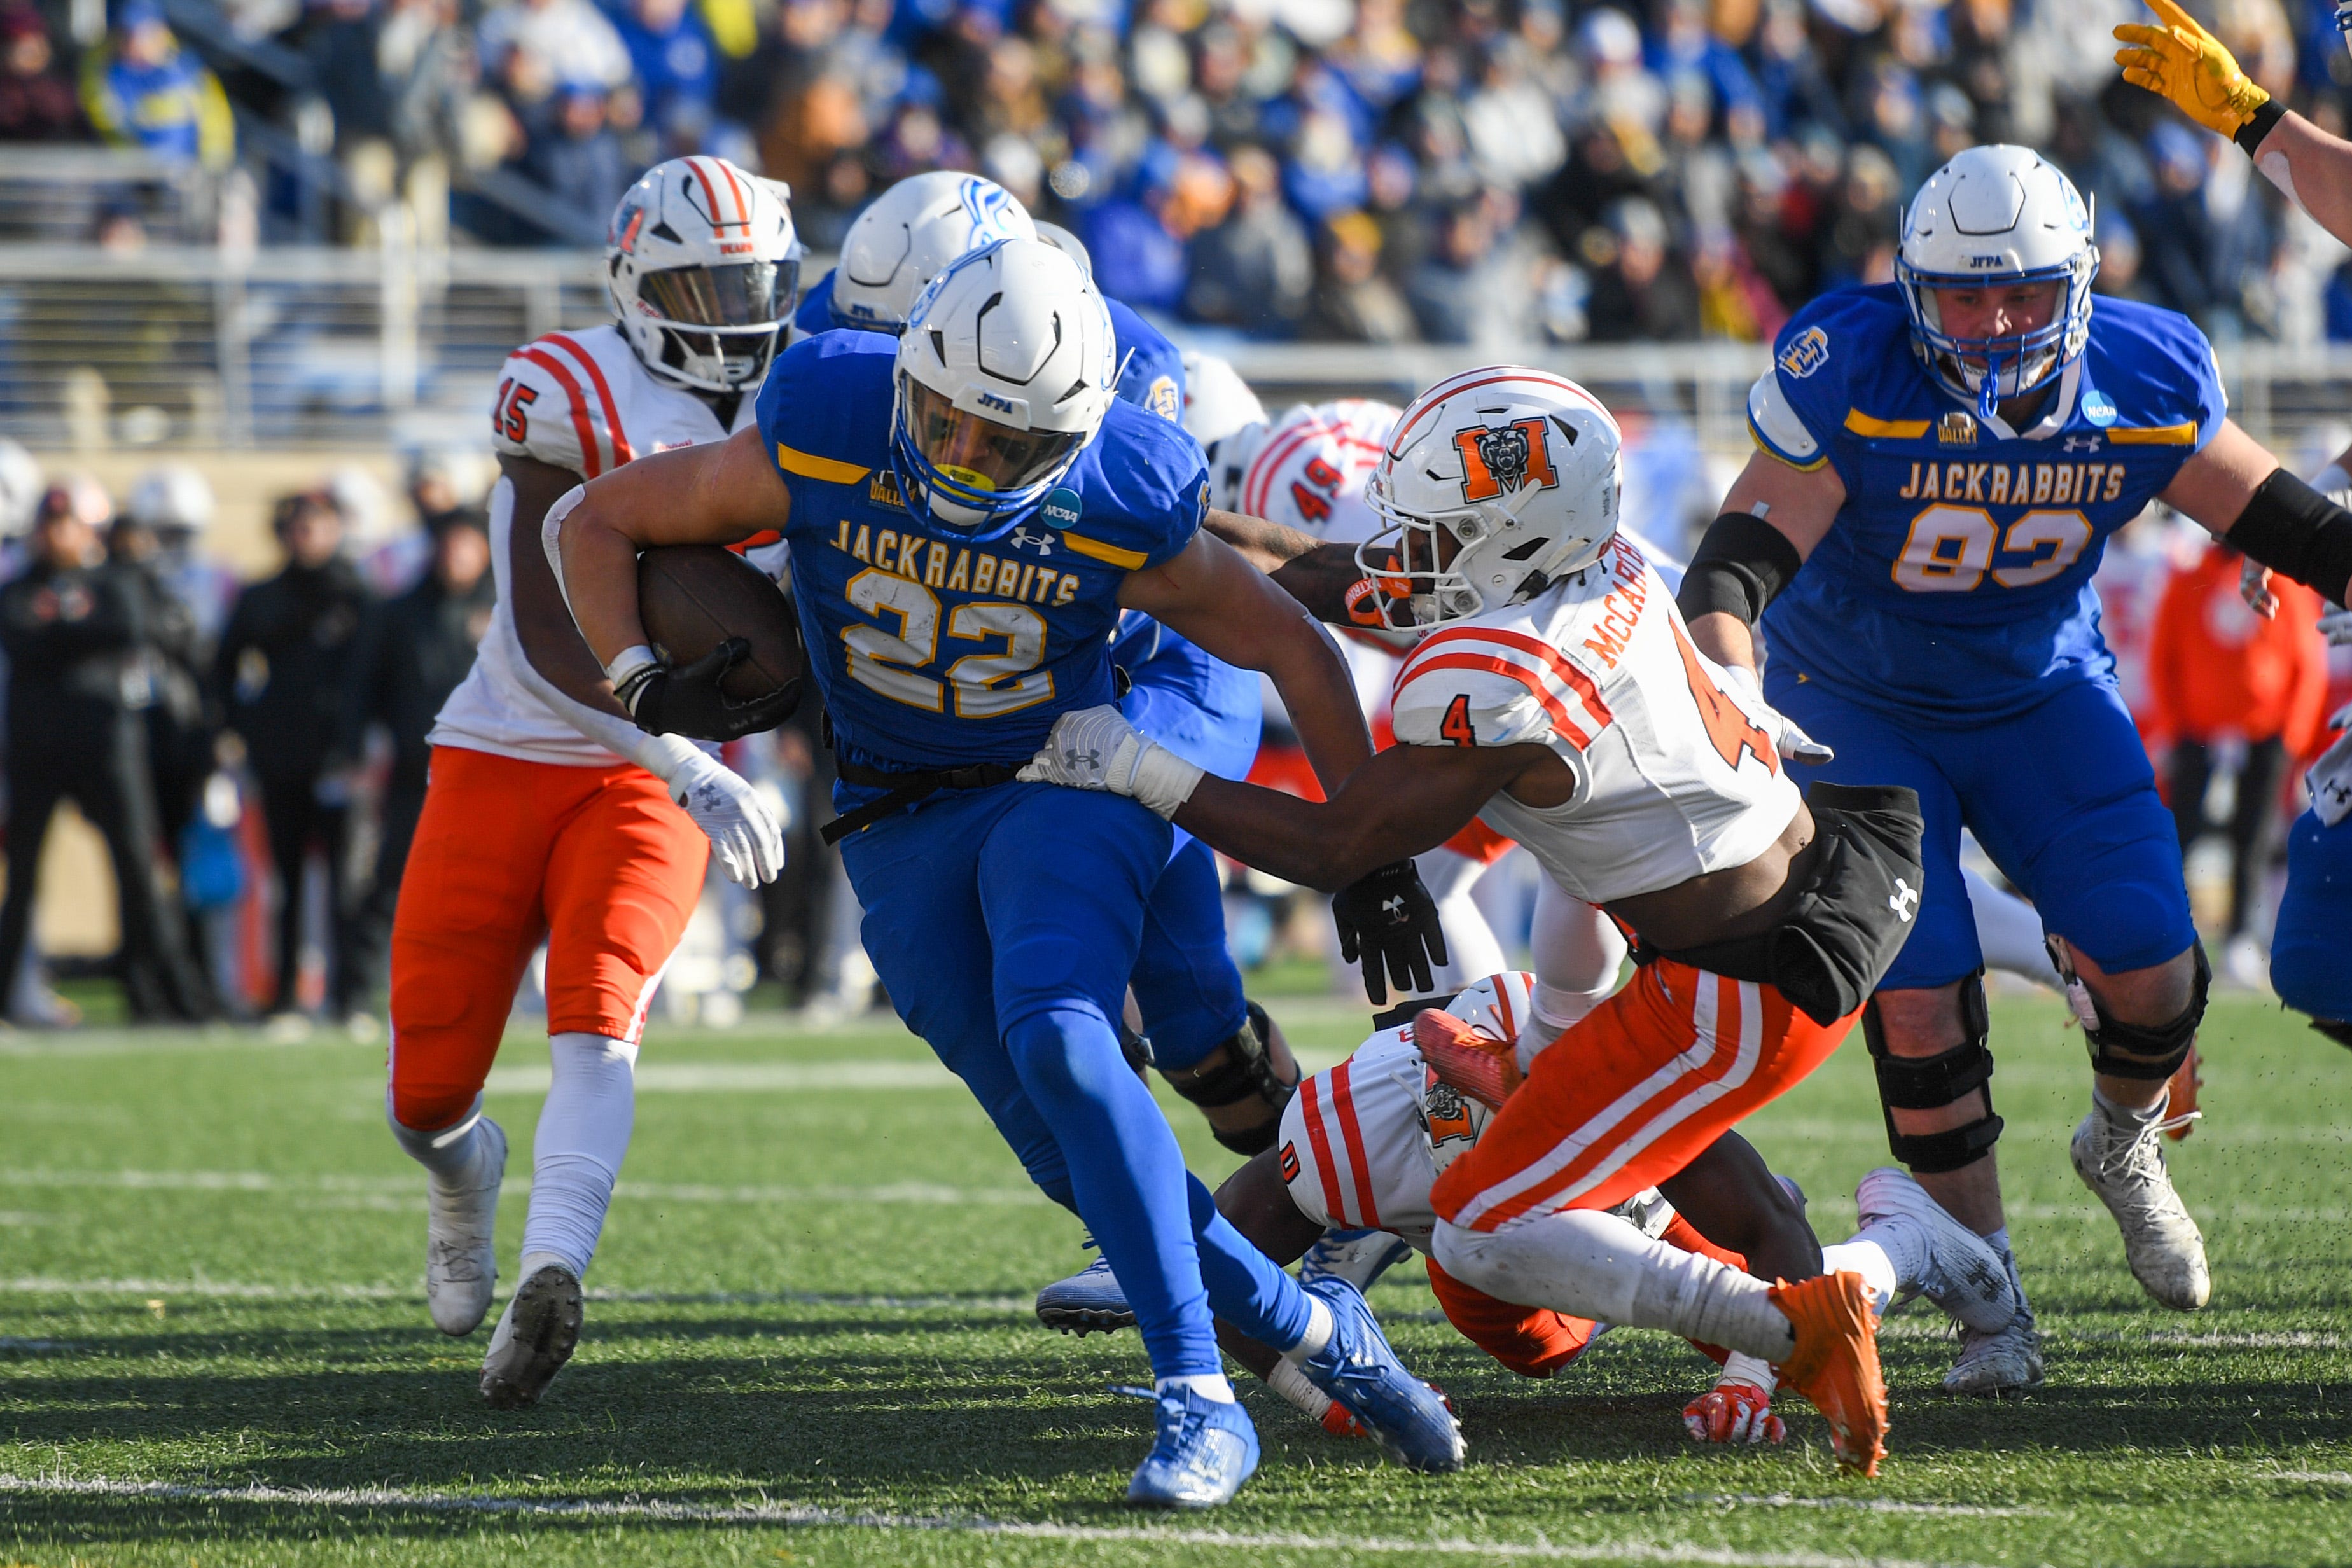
x,y
1675,774
1310,470
584,402
1362,1143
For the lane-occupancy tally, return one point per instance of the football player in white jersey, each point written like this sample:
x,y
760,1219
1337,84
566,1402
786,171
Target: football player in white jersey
x,y
1363,1144
550,814
1557,697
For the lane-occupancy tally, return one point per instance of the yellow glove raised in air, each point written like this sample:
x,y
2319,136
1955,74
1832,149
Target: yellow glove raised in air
x,y
2184,63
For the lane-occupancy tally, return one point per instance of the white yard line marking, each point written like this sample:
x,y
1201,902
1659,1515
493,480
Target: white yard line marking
x,y
2324,1478
242,1290
1866,1504
793,1514
655,1077
412,1187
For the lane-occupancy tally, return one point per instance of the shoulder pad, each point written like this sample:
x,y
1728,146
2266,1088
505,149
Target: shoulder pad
x,y
1151,369
1480,686
1796,408
555,403
825,409
1136,496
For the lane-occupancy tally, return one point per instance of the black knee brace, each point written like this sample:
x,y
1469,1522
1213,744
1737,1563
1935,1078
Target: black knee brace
x,y
2335,1029
1136,1049
1248,1072
2156,1050
1932,1082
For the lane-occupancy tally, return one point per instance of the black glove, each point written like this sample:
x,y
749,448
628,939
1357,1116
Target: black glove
x,y
1387,916
687,700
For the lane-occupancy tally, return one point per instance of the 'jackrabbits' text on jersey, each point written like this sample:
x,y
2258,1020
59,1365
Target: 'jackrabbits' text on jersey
x,y
582,402
935,650
1956,582
1674,775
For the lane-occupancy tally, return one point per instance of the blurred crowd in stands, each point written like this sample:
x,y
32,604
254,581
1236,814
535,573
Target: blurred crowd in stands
x,y
1471,172
254,754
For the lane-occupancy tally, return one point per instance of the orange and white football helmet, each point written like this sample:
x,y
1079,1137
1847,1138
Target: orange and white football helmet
x,y
703,267
1495,481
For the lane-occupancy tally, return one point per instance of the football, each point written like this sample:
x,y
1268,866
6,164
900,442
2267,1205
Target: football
x,y
691,597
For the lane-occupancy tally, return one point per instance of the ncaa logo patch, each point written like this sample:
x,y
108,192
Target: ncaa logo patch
x,y
2099,408
1806,353
1061,508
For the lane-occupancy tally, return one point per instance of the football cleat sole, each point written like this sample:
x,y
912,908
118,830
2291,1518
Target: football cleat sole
x,y
535,1338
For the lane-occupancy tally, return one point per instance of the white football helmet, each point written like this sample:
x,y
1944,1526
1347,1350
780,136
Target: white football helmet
x,y
172,497
1496,1007
1225,417
1495,482
909,233
1004,373
703,267
1997,215
1062,240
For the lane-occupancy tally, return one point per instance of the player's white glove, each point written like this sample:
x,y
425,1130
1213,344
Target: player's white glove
x,y
2337,627
2331,776
743,831
1733,1412
1096,748
1792,743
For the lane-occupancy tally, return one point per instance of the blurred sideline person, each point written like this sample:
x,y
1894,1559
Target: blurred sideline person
x,y
412,653
74,628
282,667
548,814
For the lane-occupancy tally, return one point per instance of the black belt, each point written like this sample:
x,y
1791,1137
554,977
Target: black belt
x,y
905,790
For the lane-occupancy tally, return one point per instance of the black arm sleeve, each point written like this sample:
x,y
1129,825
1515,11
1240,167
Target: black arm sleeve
x,y
2297,532
1741,564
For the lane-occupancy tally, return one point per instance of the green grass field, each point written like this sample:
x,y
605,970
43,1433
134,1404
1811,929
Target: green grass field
x,y
811,1341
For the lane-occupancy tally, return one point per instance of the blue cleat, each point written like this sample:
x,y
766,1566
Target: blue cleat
x,y
1205,1451
1359,1256
1088,1301
1405,1416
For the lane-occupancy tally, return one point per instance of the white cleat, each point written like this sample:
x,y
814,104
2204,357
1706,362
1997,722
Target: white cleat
x,y
1359,1256
1965,1275
534,1338
460,1271
2008,1361
2123,1163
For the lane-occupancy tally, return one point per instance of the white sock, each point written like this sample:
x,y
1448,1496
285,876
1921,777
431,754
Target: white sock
x,y
1321,1327
1595,1265
1874,1255
1577,952
450,1154
1214,1386
2129,1115
583,1132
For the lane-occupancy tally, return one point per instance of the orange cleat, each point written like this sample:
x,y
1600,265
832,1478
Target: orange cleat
x,y
2181,1115
1473,1064
1835,1364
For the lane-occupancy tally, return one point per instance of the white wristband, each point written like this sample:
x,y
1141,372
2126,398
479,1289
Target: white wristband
x,y
1160,780
630,663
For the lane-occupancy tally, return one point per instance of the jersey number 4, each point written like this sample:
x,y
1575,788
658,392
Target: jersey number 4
x,y
987,684
1727,723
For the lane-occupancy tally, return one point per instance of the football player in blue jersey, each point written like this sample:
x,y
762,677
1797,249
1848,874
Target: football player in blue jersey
x,y
1944,459
2311,945
1213,1045
968,510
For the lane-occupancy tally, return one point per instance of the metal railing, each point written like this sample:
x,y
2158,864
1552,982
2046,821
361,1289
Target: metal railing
x,y
309,347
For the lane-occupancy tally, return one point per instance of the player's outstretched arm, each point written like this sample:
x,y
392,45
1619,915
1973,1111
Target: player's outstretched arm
x,y
1771,521
2237,491
1212,595
1325,578
2182,63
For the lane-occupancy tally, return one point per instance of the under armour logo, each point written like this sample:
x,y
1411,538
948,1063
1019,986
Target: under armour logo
x,y
2082,444
1023,538
1393,907
1902,899
1083,761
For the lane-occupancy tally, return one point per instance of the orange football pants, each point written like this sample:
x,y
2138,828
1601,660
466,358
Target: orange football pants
x,y
1632,1093
1536,1341
597,861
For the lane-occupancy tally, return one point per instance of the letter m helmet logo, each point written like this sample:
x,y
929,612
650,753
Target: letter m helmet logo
x,y
1518,456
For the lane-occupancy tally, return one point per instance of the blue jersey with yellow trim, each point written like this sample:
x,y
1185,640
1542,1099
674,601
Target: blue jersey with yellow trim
x,y
1956,582
933,651
1151,368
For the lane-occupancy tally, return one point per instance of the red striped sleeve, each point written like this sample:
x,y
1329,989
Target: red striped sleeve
x,y
1554,709
1343,1100
1320,1138
591,463
622,452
